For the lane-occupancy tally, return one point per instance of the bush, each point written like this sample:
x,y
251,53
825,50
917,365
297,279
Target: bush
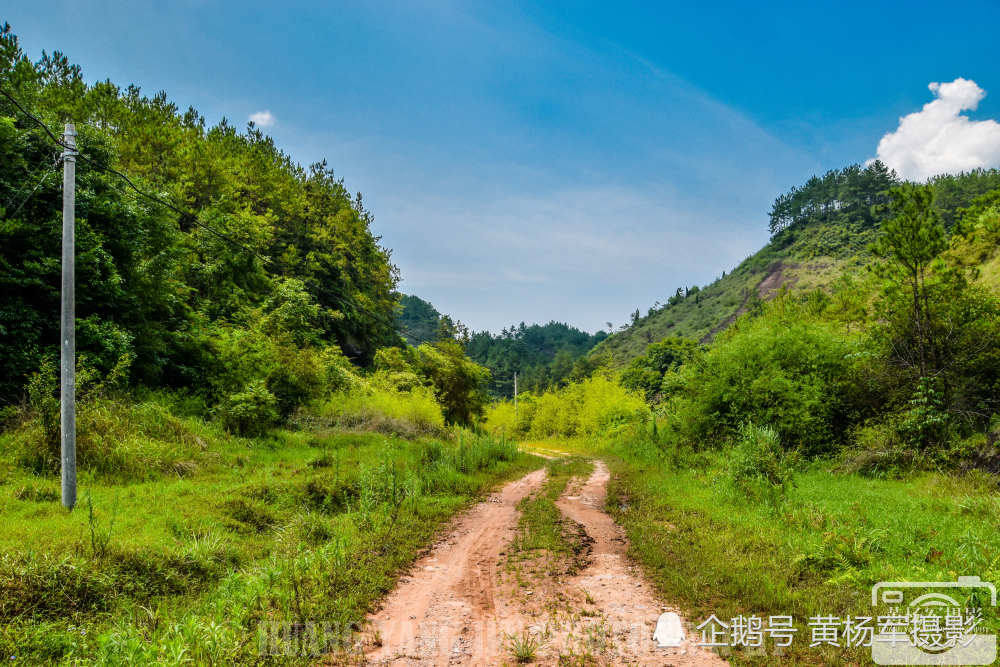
x,y
646,372
877,451
779,369
298,378
408,413
595,406
43,402
250,412
925,423
758,467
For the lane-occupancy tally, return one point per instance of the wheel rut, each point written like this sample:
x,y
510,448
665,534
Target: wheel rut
x,y
463,603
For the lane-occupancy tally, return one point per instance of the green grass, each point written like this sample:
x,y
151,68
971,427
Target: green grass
x,y
524,647
709,549
182,564
541,526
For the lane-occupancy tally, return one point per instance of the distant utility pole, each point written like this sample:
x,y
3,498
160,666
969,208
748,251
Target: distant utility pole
x,y
515,395
67,356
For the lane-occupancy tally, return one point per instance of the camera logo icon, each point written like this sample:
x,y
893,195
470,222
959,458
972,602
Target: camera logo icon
x,y
933,622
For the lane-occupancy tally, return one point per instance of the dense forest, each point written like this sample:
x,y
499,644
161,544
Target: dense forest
x,y
542,355
264,245
208,262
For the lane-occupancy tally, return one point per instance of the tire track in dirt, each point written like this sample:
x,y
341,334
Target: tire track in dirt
x,y
445,612
624,600
460,606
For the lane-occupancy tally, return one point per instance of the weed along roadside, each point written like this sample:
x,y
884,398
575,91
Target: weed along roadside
x,y
232,560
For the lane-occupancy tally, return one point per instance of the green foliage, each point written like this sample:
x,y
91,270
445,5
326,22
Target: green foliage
x,y
937,331
411,412
758,466
524,646
646,373
825,233
954,192
598,405
840,193
925,422
782,368
459,384
252,411
417,320
270,248
542,355
43,401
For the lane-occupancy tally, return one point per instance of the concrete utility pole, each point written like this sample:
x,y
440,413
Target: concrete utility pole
x,y
67,356
515,395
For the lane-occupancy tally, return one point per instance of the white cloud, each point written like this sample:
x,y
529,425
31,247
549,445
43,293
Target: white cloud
x,y
262,118
938,139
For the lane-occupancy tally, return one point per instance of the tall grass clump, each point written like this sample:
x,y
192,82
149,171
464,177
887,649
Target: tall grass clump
x,y
412,412
759,469
120,441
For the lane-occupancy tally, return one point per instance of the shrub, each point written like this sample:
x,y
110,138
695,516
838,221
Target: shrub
x,y
925,422
646,372
43,401
407,413
758,466
299,377
594,406
500,420
250,412
876,450
778,369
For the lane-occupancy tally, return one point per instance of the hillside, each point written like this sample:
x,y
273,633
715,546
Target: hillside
x,y
417,321
821,231
542,355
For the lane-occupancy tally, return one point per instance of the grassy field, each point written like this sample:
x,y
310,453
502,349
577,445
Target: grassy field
x,y
214,548
817,551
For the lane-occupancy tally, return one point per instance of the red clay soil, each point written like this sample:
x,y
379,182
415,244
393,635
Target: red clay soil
x,y
445,612
466,599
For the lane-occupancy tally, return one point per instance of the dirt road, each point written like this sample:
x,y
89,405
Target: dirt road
x,y
463,603
626,606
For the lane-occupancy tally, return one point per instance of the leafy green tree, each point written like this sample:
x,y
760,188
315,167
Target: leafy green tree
x,y
910,242
646,372
938,333
459,383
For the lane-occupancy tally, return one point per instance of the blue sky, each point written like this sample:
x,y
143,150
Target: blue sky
x,y
560,160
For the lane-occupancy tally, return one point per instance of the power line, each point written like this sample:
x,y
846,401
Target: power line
x,y
30,194
186,215
41,168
